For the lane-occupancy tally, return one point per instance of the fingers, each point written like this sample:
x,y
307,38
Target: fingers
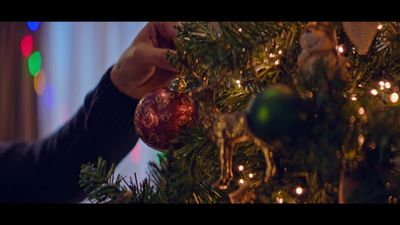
x,y
161,60
151,56
166,29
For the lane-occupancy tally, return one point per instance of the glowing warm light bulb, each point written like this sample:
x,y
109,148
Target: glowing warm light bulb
x,y
241,181
251,175
361,111
381,83
277,62
380,26
394,97
238,83
340,49
354,98
387,85
240,29
372,145
279,200
374,92
361,139
241,168
271,55
280,52
299,190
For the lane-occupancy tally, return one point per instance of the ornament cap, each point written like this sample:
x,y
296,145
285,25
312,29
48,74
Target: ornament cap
x,y
178,85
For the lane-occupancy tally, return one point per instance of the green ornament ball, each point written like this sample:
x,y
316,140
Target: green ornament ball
x,y
274,114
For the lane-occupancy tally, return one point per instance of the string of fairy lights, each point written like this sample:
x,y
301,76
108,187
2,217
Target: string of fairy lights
x,y
384,87
270,57
298,190
33,57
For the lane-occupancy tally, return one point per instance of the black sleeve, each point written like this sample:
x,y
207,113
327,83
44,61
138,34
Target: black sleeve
x,y
48,169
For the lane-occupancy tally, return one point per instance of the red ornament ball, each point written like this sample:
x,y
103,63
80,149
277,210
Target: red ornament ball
x,y
160,116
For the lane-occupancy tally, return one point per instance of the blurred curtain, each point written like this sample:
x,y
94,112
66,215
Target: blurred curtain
x,y
18,111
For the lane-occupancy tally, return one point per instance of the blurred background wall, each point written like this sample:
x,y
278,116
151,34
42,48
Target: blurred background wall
x,y
18,108
46,70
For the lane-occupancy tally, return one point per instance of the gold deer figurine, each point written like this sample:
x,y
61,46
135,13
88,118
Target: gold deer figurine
x,y
228,130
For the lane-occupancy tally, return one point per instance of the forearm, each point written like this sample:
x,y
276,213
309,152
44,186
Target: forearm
x,y
48,170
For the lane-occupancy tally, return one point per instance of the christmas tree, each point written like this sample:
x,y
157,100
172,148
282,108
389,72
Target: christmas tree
x,y
270,112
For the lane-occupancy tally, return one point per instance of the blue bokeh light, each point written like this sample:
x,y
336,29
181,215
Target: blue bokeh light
x,y
33,26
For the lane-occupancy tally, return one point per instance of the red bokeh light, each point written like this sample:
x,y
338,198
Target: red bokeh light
x,y
27,45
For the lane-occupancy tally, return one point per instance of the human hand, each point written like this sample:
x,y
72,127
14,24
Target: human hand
x,y
144,67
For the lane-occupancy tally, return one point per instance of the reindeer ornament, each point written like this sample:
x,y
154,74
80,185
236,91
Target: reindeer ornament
x,y
228,130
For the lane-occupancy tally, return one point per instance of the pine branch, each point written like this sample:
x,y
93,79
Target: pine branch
x,y
99,183
347,127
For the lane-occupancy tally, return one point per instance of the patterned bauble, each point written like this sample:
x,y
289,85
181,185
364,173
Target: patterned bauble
x,y
161,115
275,114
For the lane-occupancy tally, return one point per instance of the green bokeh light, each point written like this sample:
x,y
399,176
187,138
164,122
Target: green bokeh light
x,y
35,63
